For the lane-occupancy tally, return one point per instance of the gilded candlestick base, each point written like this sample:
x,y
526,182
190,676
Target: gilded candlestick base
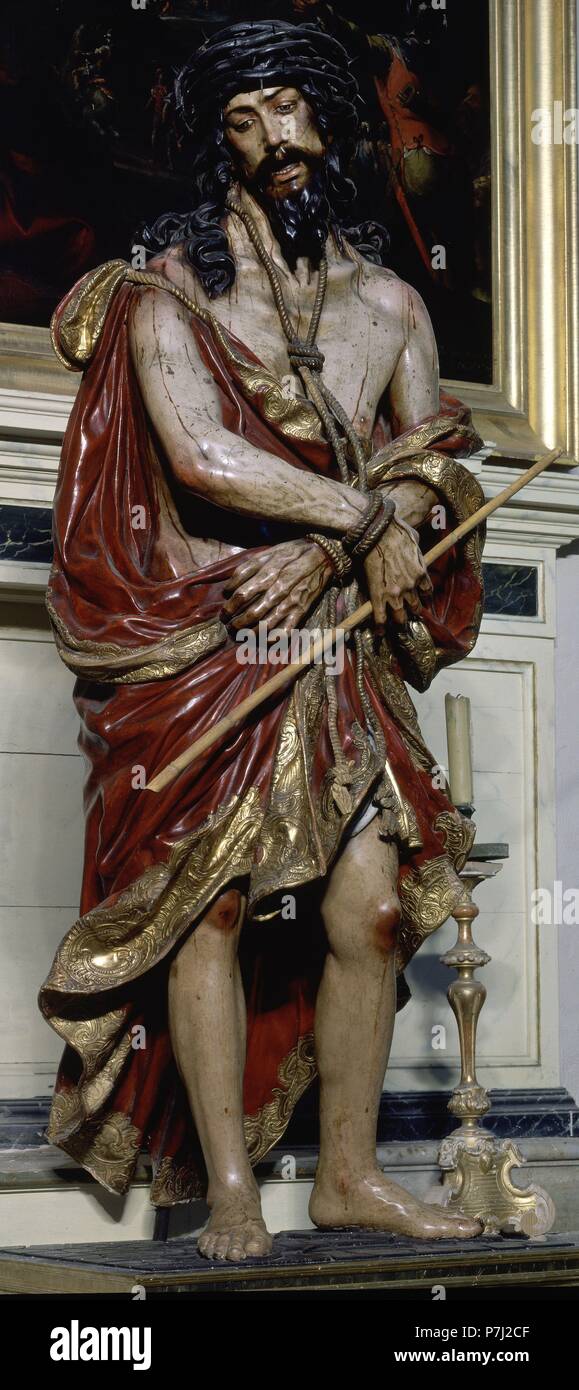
x,y
477,1182
476,1165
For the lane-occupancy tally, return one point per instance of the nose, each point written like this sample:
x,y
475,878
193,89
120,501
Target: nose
x,y
272,132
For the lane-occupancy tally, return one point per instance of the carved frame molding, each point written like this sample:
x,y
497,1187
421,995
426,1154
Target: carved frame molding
x,y
533,404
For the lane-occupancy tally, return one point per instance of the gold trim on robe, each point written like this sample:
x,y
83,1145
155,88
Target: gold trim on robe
x,y
81,322
116,665
285,838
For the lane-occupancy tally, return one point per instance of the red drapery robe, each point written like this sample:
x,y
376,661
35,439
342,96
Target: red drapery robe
x,y
155,667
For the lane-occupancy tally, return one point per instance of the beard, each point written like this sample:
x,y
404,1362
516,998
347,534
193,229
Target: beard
x,y
300,222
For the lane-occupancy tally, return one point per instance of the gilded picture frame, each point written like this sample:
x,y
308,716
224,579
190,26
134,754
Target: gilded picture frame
x,y
532,404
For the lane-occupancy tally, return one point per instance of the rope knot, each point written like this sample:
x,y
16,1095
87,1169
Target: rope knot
x,y
305,355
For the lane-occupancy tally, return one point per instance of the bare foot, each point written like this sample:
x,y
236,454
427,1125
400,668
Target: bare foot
x,y
380,1205
235,1229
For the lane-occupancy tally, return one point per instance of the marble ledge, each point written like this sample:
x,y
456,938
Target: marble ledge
x,y
47,1166
406,1118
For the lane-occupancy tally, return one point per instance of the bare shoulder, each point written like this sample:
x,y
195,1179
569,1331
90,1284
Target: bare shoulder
x,y
159,321
174,265
393,299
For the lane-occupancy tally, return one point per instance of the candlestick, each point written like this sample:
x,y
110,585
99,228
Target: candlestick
x,y
475,1163
458,735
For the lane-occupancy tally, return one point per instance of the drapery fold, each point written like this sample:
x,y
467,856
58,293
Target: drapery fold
x,y
155,668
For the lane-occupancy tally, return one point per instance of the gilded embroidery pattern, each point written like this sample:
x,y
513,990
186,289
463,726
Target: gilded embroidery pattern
x,y
107,661
294,1074
82,321
301,829
458,834
107,1148
422,651
395,696
428,896
177,1182
118,942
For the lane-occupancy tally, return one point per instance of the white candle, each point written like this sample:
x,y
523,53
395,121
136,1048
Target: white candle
x,y
458,736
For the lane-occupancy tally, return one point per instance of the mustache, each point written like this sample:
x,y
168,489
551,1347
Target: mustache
x,y
276,163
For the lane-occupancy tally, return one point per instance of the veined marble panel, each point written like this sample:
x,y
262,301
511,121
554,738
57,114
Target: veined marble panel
x,y
511,590
26,533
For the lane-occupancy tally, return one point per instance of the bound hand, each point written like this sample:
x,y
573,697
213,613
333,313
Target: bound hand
x,y
278,587
396,574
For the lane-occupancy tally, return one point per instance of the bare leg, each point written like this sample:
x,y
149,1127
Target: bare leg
x,y
354,1024
207,1021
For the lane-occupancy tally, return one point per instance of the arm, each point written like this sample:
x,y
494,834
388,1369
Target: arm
x,y
184,407
414,395
183,404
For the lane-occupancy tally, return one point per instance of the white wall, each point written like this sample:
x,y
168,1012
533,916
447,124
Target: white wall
x,y
567,731
41,839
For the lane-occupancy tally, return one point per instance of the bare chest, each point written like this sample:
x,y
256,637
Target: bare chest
x,y
360,347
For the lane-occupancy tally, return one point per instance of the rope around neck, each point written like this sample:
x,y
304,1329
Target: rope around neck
x,y
309,361
306,356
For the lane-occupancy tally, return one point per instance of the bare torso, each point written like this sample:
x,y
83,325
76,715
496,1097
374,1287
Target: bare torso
x,y
361,346
368,320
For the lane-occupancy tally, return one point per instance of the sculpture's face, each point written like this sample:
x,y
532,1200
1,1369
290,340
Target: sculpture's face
x,y
274,138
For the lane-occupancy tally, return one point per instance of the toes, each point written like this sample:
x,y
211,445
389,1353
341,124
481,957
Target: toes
x,y
461,1228
468,1229
236,1250
205,1245
234,1245
259,1245
221,1247
463,1224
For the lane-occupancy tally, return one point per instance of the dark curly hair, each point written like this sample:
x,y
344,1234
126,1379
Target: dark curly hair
x,y
244,57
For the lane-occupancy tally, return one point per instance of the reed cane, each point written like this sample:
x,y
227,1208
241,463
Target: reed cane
x,y
288,673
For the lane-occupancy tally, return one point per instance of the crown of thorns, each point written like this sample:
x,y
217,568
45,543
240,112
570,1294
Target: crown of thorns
x,y
257,54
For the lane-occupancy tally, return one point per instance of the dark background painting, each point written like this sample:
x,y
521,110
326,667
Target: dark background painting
x,y
90,147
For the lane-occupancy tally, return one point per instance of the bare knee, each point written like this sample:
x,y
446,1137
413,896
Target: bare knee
x,y
225,913
366,930
218,931
385,923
